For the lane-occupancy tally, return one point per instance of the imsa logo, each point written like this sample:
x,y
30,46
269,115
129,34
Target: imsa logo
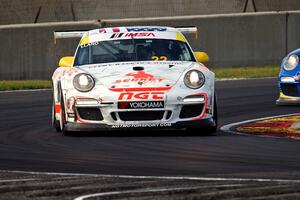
x,y
141,104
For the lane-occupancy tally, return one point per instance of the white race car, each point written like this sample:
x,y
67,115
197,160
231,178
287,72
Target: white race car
x,y
133,77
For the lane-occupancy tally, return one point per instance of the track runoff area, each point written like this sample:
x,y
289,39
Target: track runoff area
x,y
36,162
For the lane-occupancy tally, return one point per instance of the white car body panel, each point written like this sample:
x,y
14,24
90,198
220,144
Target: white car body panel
x,y
119,84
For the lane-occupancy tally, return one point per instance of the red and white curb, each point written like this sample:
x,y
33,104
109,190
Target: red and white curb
x,y
228,128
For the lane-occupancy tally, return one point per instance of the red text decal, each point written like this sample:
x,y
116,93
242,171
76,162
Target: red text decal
x,y
142,95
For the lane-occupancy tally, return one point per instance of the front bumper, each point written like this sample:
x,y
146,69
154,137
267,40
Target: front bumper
x,y
195,111
287,100
208,122
289,88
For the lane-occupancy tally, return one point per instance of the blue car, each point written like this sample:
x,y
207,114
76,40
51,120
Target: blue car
x,y
289,80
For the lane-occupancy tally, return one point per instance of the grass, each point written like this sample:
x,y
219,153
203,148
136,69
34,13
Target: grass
x,y
24,84
246,72
228,72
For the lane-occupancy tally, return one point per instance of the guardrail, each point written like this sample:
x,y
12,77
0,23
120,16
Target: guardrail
x,y
28,50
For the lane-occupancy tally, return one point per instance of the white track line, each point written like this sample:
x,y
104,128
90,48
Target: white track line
x,y
149,190
227,128
194,178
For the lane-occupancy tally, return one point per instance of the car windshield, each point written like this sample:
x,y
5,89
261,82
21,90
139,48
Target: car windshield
x,y
133,50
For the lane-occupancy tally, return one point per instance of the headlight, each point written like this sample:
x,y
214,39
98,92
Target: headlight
x,y
291,62
194,79
83,82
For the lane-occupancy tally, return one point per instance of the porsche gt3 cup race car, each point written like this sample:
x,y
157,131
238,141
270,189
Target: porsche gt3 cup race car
x,y
289,80
133,77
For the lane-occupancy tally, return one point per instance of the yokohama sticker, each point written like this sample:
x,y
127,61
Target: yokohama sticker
x,y
141,104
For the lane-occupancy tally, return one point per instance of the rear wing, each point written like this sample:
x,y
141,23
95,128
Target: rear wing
x,y
188,30
68,34
79,34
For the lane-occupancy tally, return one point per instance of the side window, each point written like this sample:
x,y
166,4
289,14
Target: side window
x,y
185,54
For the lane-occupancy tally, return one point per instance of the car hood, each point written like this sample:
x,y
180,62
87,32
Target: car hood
x,y
137,74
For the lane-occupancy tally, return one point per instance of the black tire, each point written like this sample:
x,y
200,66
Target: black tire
x,y
62,121
55,122
213,129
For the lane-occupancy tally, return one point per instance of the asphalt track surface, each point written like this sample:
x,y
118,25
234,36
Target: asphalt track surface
x,y
28,142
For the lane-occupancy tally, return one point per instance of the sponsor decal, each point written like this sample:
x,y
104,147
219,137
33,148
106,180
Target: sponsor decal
x,y
130,35
146,29
142,125
140,89
72,71
57,108
157,58
89,44
115,30
297,77
133,63
140,76
139,35
141,104
142,95
102,30
117,35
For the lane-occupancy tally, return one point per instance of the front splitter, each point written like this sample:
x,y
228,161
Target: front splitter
x,y
178,125
288,101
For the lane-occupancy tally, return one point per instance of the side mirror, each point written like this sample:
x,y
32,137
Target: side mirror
x,y
201,56
66,61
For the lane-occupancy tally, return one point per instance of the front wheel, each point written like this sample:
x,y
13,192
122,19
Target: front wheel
x,y
55,122
62,121
211,129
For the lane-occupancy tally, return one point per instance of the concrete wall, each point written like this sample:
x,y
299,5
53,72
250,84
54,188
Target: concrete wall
x,y
26,11
29,11
230,40
293,30
28,52
276,5
158,8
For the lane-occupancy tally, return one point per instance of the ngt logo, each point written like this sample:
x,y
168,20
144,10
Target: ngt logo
x,y
142,95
